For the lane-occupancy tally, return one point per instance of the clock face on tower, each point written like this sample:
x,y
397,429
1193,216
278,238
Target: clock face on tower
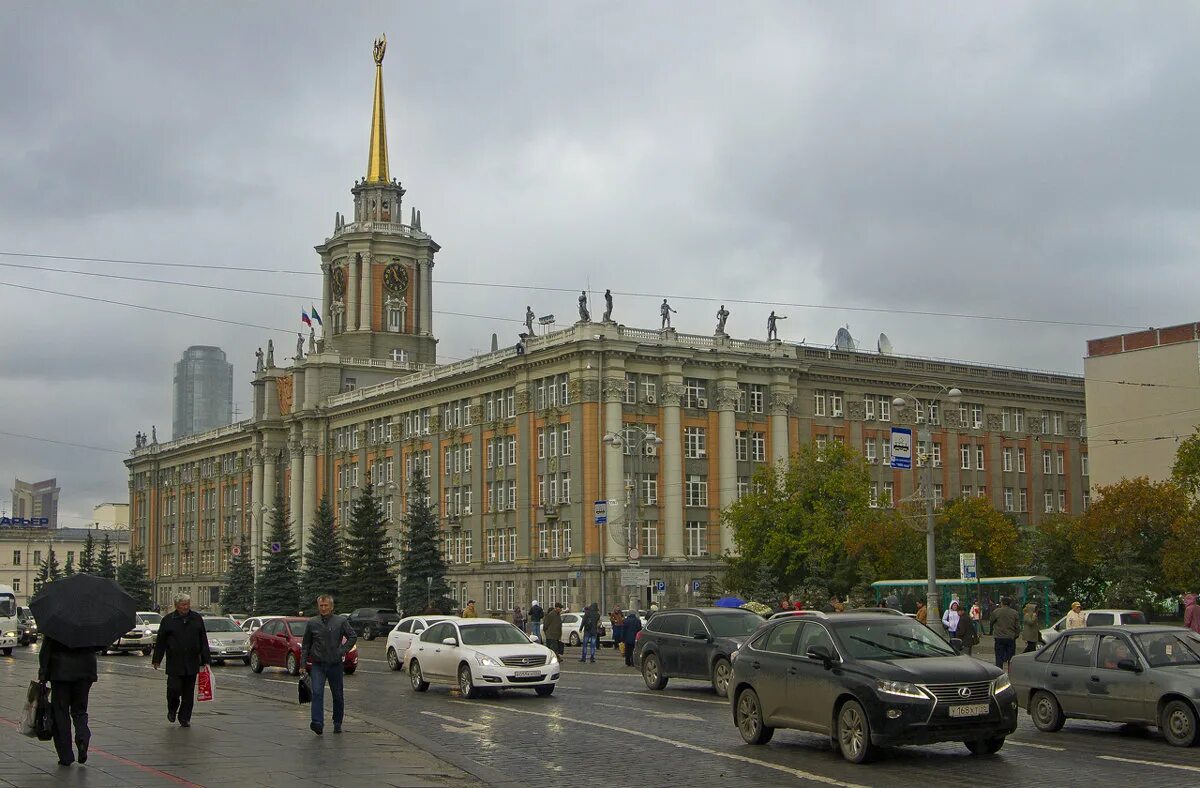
x,y
395,278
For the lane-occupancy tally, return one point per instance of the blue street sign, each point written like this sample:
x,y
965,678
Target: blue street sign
x,y
601,510
660,585
695,585
901,448
276,547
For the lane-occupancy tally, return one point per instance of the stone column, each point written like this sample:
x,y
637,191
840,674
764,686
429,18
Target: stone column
x,y
256,505
614,469
352,279
308,510
727,397
295,491
427,298
268,500
782,398
364,295
670,497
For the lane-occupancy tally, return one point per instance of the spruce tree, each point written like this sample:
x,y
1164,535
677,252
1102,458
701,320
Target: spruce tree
x,y
48,572
106,565
238,595
131,576
370,576
69,566
323,564
422,560
87,558
278,587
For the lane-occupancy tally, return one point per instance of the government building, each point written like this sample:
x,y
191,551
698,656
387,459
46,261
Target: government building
x,y
518,445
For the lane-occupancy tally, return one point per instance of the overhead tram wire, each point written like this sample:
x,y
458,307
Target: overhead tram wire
x,y
61,443
630,294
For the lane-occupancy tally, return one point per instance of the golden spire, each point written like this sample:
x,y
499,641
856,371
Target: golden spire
x,y
377,163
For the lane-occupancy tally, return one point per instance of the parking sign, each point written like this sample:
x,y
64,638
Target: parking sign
x,y
660,585
695,585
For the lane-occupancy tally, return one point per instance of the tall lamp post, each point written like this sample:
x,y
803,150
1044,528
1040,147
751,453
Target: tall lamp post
x,y
932,606
645,437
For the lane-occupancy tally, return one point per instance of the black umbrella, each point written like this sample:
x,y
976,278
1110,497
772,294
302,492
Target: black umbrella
x,y
84,610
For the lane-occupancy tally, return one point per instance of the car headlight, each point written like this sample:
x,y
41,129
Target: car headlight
x,y
10,634
485,660
900,688
213,643
1000,684
553,658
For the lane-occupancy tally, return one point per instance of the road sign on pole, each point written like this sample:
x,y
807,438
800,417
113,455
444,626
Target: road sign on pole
x,y
696,586
901,448
968,569
659,585
276,547
601,512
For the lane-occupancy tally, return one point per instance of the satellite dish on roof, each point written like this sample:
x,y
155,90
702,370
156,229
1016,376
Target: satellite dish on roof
x,y
844,341
884,345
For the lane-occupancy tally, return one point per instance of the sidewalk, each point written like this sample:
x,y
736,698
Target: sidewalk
x,y
238,739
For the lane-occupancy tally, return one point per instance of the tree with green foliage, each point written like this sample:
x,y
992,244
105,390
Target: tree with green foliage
x,y
324,567
278,587
1186,469
48,572
238,594
69,566
973,525
87,557
106,564
792,526
132,577
422,565
711,589
370,574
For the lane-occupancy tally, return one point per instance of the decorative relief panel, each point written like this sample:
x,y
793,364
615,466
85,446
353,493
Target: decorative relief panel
x,y
522,400
994,422
856,410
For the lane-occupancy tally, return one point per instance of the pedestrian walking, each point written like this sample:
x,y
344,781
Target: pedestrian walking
x,y
552,626
1076,618
1029,626
519,618
1006,626
327,640
976,616
951,617
535,620
893,601
71,673
967,633
922,612
1191,613
591,632
184,641
617,619
469,610
629,630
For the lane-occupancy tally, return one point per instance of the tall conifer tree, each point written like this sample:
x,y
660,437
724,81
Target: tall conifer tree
x,y
422,566
106,565
238,594
278,587
324,566
370,565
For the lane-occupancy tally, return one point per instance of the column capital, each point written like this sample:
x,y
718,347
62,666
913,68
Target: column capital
x,y
672,394
614,389
781,402
727,397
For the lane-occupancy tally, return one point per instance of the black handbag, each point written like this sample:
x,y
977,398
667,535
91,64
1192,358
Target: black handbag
x,y
45,719
304,689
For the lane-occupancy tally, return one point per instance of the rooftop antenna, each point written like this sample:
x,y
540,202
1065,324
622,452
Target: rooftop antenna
x,y
844,341
884,345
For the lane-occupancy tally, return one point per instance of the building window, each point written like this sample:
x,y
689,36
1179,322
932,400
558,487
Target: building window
x,y
1087,501
939,495
650,538
16,557
696,491
1062,501
16,584
1007,454
869,450
566,440
695,443
889,499
979,451
758,398
937,455
873,499
37,557
695,393
835,404
1083,464
1020,461
965,451
697,539
1048,500
1008,499
819,403
1060,461
1024,498
1046,462
650,489
1058,423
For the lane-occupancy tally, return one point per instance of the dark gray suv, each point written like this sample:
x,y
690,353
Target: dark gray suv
x,y
693,643
371,621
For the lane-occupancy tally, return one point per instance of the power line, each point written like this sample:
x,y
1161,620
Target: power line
x,y
61,443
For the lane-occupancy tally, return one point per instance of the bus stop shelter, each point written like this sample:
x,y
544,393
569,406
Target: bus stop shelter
x,y
987,590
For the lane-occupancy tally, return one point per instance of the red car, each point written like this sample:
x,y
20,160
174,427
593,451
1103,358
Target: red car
x,y
277,644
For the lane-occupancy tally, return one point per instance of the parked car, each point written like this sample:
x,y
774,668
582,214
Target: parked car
x,y
278,643
140,638
693,643
867,680
151,620
1095,618
573,627
238,618
27,629
480,654
251,625
226,640
369,622
404,633
1141,674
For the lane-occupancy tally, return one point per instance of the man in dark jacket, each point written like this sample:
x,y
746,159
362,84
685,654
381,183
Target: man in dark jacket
x,y
535,620
552,626
71,672
182,637
591,632
632,626
327,640
1006,626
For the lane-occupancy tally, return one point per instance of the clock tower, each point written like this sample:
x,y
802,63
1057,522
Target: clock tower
x,y
378,271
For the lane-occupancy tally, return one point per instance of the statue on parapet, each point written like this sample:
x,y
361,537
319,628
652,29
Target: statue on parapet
x,y
584,315
772,328
722,316
664,312
529,320
312,340
270,354
607,306
258,362
299,346
154,434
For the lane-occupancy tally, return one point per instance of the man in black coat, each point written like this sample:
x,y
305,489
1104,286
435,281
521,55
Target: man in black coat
x,y
182,637
629,631
71,672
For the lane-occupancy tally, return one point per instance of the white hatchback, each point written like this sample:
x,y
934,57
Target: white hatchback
x,y
477,654
404,633
1096,618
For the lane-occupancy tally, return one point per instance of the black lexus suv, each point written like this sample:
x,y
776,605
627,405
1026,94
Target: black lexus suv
x,y
693,643
868,679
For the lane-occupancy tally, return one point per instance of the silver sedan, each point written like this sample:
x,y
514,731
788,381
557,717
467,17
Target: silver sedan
x,y
1145,675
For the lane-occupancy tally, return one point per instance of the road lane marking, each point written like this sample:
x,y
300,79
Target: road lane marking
x,y
663,695
1036,746
1150,763
664,740
666,715
460,726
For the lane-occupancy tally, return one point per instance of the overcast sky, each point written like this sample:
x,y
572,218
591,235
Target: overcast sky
x,y
1029,160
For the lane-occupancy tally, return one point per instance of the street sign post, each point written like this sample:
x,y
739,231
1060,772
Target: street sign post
x,y
695,586
659,585
601,512
901,448
635,577
968,568
276,547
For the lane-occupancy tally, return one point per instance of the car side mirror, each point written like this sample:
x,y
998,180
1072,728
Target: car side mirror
x,y
449,642
1130,665
700,636
957,645
820,653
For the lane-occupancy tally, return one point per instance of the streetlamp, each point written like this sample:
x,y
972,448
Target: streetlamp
x,y
933,613
645,437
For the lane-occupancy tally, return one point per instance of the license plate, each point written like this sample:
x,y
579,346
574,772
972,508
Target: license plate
x,y
524,674
969,710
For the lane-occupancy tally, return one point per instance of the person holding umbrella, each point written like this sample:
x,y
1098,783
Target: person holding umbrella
x,y
78,615
184,641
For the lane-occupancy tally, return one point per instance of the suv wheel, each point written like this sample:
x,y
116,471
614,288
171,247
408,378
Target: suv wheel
x,y
652,672
1047,714
1178,724
393,660
720,677
854,733
748,715
368,632
255,663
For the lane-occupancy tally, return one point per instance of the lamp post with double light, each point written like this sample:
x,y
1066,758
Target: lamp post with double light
x,y
925,437
645,437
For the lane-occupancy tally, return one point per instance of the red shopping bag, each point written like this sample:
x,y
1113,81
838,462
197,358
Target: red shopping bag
x,y
204,684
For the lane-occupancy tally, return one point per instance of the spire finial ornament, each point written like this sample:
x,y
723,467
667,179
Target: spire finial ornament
x,y
377,160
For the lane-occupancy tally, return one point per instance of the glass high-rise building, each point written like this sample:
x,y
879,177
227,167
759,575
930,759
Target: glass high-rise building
x,y
203,391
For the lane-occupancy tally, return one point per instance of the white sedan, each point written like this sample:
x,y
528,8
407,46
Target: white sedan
x,y
405,633
477,654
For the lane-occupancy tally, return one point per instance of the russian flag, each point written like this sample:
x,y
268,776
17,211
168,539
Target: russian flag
x,y
316,317
304,318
